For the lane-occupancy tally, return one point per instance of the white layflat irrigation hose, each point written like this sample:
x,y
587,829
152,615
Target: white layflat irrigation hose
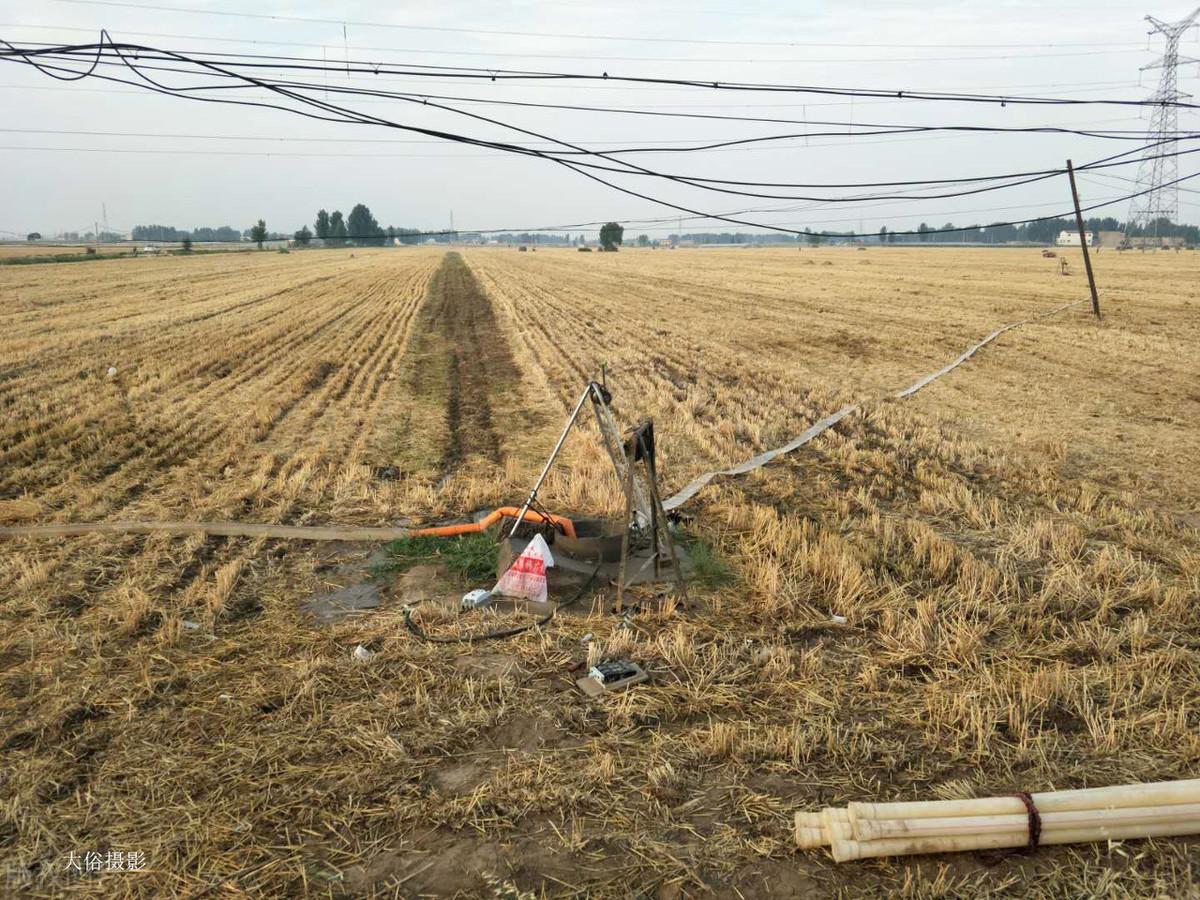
x,y
693,487
337,533
228,529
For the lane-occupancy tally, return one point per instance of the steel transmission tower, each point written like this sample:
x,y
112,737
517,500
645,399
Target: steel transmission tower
x,y
1160,165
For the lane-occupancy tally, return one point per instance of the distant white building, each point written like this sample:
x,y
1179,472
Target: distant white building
x,y
1071,238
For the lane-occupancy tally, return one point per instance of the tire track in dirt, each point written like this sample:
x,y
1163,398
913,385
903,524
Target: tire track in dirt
x,y
459,362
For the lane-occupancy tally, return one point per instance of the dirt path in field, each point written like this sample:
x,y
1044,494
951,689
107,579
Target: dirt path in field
x,y
459,362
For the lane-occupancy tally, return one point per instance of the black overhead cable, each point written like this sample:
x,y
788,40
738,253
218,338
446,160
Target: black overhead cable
x,y
540,34
341,114
641,109
606,57
1065,216
628,168
857,129
280,139
860,129
499,74
1058,85
491,73
691,181
672,220
425,51
1128,180
575,107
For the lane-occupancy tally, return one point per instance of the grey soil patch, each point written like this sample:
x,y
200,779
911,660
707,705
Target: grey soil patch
x,y
487,665
426,584
360,593
450,867
459,777
334,607
345,564
772,878
527,733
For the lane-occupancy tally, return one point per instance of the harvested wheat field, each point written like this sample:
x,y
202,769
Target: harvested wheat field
x,y
1014,551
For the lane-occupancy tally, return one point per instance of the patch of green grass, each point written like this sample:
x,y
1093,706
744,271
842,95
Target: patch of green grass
x,y
472,556
708,569
59,258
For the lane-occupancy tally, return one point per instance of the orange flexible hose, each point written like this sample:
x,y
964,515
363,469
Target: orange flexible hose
x,y
491,519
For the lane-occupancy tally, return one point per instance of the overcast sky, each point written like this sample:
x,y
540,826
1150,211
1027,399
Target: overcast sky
x,y
187,164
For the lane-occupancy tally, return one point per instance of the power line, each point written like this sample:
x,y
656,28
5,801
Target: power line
x,y
336,66
651,144
1127,48
1030,176
643,223
858,129
820,145
349,116
1084,86
497,74
856,216
635,193
1126,180
424,100
638,111
538,34
1065,215
332,112
574,150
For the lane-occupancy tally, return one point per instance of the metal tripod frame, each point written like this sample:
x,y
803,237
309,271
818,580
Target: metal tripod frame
x,y
643,505
661,542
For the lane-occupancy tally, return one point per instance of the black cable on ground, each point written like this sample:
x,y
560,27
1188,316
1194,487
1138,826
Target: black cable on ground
x,y
505,633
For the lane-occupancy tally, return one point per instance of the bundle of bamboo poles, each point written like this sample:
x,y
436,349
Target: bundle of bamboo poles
x,y
864,830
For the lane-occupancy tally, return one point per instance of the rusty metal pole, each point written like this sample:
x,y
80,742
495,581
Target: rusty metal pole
x,y
529,501
1087,259
630,506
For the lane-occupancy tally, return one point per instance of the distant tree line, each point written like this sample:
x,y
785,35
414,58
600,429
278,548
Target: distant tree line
x,y
171,233
1166,228
226,234
362,229
359,229
106,237
525,237
1043,232
1031,233
733,237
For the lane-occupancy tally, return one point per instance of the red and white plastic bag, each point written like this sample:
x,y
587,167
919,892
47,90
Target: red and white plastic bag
x,y
526,577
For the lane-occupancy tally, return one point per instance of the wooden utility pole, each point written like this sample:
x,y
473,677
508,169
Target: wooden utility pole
x,y
1083,242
